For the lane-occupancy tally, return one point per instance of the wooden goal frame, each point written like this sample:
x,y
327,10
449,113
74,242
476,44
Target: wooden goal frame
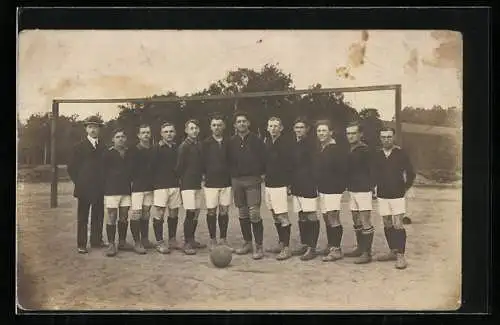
x,y
58,101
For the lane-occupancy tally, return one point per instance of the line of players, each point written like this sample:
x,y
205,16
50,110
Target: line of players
x,y
150,179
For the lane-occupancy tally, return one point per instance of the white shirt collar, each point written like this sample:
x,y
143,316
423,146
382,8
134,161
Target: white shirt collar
x,y
387,152
92,140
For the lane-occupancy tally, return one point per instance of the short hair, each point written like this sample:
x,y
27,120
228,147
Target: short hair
x,y
216,116
326,123
194,121
275,118
118,130
165,124
240,113
354,124
143,126
387,128
301,119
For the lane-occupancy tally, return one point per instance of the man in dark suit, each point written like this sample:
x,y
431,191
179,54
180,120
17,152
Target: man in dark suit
x,y
85,170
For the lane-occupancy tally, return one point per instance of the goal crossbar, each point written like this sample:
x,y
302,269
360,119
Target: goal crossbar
x,y
160,99
231,96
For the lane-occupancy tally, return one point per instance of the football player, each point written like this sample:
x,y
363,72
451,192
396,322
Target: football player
x,y
190,168
166,189
360,187
277,178
394,178
331,169
117,191
304,190
217,180
142,189
246,161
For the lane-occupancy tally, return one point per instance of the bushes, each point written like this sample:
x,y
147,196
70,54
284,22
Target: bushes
x,y
40,174
436,157
441,175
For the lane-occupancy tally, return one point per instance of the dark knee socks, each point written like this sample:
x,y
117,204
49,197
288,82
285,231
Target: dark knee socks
x,y
158,229
246,229
122,230
258,232
135,229
189,226
110,232
399,237
172,227
223,225
212,225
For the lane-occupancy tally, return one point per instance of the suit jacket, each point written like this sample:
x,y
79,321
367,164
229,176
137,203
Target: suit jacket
x,y
86,170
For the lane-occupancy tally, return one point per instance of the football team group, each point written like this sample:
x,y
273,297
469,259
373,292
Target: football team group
x,y
156,179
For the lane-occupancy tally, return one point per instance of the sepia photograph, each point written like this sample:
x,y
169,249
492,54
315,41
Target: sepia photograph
x,y
167,170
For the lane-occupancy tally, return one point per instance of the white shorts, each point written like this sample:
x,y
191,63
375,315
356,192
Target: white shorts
x,y
329,202
140,199
167,197
116,201
391,207
277,199
191,199
361,201
304,204
217,196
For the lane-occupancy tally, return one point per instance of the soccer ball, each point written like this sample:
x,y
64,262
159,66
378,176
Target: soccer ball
x,y
221,256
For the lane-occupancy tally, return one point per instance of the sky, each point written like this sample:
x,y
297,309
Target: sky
x,y
117,64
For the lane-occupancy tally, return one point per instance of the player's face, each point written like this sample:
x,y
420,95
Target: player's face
x,y
168,133
92,130
217,127
274,128
387,139
192,130
242,124
300,129
144,134
119,139
324,133
353,134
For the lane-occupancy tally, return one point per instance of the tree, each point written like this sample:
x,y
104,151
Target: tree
x,y
35,141
371,124
436,115
35,134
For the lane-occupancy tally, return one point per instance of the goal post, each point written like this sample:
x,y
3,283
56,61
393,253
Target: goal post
x,y
57,102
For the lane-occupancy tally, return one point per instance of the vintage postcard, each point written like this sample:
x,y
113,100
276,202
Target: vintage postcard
x,y
239,170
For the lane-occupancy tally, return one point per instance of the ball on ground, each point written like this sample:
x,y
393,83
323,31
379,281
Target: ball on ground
x,y
221,256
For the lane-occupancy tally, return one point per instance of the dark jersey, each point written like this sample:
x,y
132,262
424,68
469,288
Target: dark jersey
x,y
246,156
331,169
303,182
394,174
359,169
278,165
216,163
190,165
142,168
164,169
117,180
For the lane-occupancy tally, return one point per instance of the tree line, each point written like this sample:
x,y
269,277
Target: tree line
x,y
34,134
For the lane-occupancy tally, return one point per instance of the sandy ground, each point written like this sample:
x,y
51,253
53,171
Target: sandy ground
x,y
52,276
